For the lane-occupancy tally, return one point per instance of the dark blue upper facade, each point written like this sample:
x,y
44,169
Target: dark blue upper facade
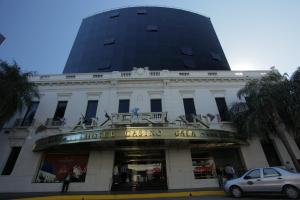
x,y
155,37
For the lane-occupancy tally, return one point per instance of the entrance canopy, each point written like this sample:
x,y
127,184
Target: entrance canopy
x,y
137,133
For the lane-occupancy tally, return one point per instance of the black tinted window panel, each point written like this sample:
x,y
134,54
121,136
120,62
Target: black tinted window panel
x,y
156,105
152,28
177,29
109,41
114,15
189,63
141,12
216,56
104,64
187,51
123,106
189,108
222,108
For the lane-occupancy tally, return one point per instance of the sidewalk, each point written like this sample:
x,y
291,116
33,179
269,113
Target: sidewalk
x,y
110,196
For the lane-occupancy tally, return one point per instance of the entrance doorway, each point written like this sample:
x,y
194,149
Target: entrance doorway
x,y
139,170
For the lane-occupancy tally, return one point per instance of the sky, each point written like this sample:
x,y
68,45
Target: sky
x,y
254,34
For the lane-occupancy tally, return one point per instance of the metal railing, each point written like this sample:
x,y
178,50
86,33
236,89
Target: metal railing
x,y
50,122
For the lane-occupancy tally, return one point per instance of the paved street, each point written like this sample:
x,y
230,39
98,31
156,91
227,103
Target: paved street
x,y
252,197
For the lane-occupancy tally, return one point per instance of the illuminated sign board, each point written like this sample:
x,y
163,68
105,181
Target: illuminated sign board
x,y
135,133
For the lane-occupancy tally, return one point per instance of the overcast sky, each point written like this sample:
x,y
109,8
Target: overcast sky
x,y
254,34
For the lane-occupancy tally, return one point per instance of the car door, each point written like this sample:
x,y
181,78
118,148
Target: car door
x,y
272,180
251,182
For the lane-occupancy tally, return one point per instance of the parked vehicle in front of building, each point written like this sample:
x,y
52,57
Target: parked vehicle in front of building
x,y
269,179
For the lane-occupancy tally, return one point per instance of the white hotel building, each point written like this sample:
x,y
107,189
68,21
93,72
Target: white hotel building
x,y
138,128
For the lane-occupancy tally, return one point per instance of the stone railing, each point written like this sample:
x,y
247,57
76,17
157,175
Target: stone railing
x,y
145,73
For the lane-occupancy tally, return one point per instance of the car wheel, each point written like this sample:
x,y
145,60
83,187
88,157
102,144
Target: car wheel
x,y
291,192
236,191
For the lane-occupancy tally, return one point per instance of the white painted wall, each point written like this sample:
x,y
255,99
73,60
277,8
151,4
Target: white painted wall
x,y
140,90
180,171
253,154
98,178
283,154
4,149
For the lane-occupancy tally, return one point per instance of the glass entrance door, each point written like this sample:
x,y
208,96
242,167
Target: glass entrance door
x,y
139,170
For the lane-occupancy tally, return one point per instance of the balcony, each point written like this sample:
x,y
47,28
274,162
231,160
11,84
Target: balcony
x,y
150,118
21,123
212,121
54,122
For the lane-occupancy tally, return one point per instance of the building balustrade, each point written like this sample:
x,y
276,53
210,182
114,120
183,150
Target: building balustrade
x,y
142,119
50,122
204,121
145,73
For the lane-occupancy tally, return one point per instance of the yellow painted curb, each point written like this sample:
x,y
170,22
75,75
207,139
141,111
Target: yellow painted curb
x,y
129,196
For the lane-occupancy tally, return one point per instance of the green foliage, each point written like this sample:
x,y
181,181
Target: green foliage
x,y
270,96
15,90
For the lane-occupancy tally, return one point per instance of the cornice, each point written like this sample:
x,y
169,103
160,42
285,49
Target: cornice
x,y
164,76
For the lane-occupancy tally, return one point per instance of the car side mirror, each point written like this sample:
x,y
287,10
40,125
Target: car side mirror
x,y
247,177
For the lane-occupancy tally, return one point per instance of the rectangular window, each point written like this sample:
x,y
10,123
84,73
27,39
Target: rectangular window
x,y
187,51
203,165
60,110
156,105
28,118
142,12
124,106
55,167
298,142
189,108
270,172
207,161
222,107
91,111
11,161
253,174
270,153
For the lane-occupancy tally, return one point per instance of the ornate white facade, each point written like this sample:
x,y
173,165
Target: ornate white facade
x,y
139,87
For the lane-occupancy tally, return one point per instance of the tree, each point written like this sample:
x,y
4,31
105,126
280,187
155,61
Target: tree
x,y
272,108
16,91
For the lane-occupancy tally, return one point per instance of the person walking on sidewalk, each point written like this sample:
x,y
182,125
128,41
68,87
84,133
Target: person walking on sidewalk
x,y
66,183
230,172
220,177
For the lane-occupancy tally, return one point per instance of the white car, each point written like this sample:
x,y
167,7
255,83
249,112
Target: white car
x,y
268,179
